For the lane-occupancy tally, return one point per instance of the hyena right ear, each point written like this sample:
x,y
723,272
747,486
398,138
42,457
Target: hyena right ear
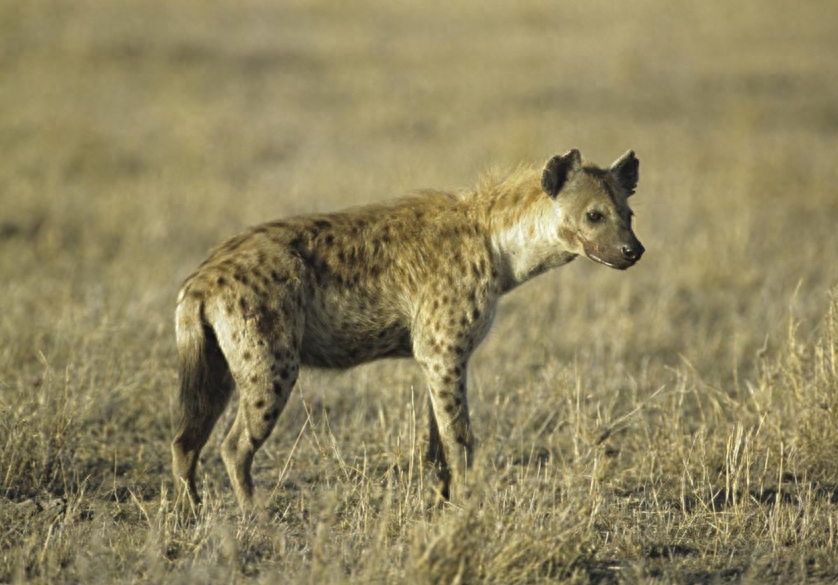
x,y
627,171
558,170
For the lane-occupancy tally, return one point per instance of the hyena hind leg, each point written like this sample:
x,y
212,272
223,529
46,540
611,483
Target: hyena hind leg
x,y
265,382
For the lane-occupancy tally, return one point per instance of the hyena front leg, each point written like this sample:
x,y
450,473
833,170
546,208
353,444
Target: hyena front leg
x,y
451,440
265,368
435,453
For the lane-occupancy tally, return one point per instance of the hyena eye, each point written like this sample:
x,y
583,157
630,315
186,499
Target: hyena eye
x,y
594,216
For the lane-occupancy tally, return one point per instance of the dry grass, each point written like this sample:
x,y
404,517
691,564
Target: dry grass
x,y
672,424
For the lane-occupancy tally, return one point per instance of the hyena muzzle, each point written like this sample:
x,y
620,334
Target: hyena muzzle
x,y
420,277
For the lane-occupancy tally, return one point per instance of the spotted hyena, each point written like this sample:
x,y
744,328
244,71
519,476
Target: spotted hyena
x,y
420,277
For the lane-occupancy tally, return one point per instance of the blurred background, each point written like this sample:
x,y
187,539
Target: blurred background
x,y
135,135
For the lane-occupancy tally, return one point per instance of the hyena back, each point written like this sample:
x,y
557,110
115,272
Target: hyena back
x,y
420,277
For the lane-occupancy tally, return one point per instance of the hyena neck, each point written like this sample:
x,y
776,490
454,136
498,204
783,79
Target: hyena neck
x,y
522,225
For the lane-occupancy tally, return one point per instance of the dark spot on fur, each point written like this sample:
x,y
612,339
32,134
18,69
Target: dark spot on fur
x,y
273,368
449,408
457,371
246,356
462,441
330,239
323,224
458,402
463,322
229,308
261,277
277,387
243,304
254,378
259,403
476,314
283,373
221,281
447,379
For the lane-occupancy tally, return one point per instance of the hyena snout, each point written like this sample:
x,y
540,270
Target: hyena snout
x,y
622,254
632,252
628,255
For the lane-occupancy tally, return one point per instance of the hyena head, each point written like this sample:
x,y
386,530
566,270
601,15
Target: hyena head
x,y
595,216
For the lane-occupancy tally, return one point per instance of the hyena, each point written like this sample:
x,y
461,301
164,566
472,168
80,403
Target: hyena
x,y
420,277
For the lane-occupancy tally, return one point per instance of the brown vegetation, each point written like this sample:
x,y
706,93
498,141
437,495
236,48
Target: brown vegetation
x,y
674,423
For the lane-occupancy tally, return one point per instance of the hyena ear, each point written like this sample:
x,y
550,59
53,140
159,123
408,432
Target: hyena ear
x,y
626,170
558,170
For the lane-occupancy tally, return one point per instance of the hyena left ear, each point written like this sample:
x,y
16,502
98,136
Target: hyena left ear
x,y
626,170
558,170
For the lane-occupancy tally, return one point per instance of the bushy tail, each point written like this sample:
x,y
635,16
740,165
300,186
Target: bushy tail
x,y
196,343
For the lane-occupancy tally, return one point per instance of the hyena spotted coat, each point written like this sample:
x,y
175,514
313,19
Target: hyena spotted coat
x,y
420,277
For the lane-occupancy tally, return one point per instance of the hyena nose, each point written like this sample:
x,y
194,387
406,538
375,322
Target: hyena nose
x,y
633,253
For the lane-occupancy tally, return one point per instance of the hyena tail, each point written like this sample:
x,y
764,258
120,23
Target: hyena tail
x,y
205,389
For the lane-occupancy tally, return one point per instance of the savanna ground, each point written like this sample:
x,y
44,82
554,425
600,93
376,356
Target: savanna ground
x,y
674,423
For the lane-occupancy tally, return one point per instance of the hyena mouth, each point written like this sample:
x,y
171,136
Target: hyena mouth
x,y
597,254
596,258
591,252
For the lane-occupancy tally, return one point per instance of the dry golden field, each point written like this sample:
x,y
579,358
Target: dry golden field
x,y
675,423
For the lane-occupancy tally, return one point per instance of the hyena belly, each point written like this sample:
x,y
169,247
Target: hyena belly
x,y
355,311
348,347
347,328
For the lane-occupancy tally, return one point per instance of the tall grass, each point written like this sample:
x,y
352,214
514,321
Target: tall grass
x,y
673,423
